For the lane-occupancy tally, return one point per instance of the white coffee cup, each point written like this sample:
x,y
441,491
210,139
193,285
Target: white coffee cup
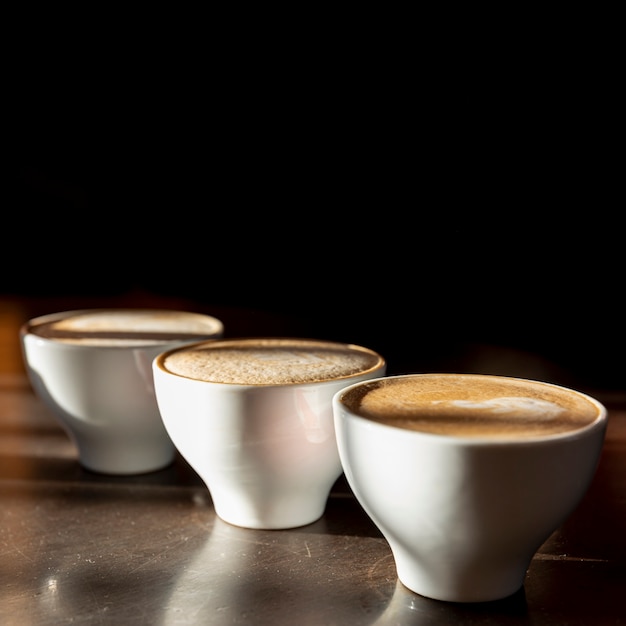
x,y
467,475
253,417
93,369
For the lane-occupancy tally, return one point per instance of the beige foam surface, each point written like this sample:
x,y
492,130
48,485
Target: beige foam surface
x,y
271,361
468,405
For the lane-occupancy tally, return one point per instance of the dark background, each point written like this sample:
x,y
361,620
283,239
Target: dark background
x,y
390,259
466,219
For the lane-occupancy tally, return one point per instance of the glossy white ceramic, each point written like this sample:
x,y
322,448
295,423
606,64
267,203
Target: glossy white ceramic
x,y
103,396
464,517
267,453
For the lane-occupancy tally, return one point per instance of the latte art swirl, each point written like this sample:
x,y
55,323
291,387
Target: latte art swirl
x,y
468,405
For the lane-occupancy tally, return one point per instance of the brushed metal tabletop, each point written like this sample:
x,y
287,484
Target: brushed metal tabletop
x,y
83,548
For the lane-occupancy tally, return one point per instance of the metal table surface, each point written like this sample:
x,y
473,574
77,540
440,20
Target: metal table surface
x,y
82,548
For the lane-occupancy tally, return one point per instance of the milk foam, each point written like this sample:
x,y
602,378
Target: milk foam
x,y
472,405
529,406
273,361
129,327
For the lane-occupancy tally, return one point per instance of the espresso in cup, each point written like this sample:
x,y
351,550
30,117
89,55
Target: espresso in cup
x,y
253,417
93,368
272,361
126,327
466,475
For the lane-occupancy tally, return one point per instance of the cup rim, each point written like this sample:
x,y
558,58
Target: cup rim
x,y
598,423
27,326
379,366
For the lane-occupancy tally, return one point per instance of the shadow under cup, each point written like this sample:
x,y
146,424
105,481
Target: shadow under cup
x,y
253,418
93,369
467,475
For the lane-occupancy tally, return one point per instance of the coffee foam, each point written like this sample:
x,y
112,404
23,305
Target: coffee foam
x,y
128,327
273,361
472,405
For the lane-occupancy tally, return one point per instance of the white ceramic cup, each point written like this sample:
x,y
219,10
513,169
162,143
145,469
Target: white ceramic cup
x,y
467,475
93,369
253,418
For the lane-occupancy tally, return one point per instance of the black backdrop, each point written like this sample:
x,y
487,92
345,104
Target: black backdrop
x,y
422,232
422,266
416,186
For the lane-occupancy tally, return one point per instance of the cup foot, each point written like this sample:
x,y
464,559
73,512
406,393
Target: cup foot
x,y
262,516
115,464
476,586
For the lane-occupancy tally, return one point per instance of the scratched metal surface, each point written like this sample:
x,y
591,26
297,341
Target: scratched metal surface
x,y
82,548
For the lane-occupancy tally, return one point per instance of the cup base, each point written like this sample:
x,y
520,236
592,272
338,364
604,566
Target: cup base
x,y
263,516
261,525
468,589
114,464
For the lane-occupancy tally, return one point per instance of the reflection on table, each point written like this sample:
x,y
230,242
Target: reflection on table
x,y
79,547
